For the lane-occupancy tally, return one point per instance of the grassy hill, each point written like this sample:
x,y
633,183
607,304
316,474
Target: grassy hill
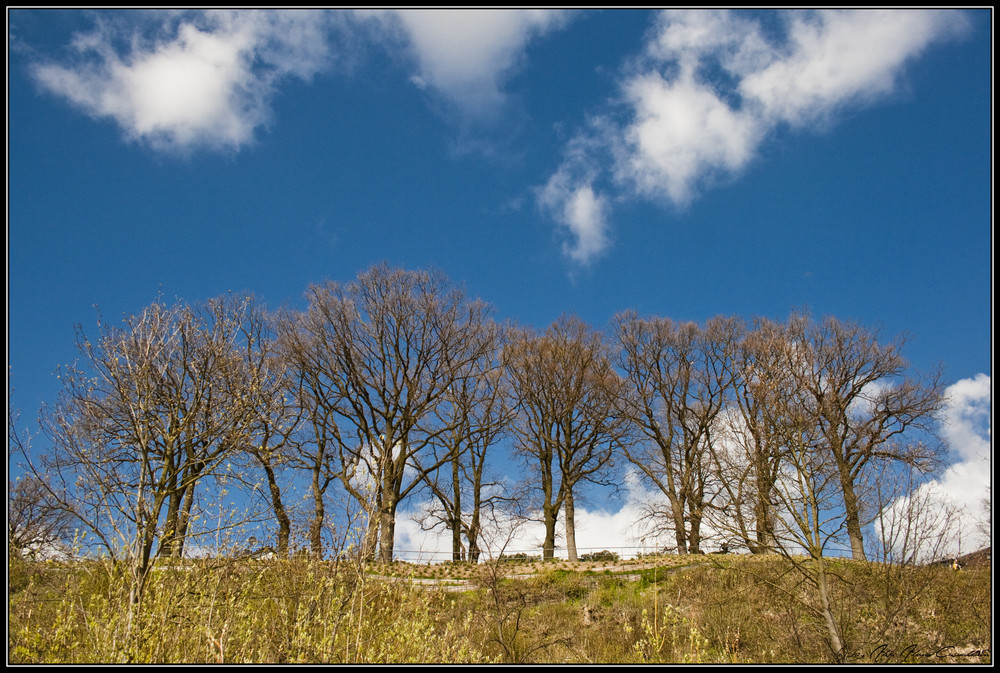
x,y
708,609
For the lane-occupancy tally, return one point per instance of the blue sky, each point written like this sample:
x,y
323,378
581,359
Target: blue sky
x,y
683,164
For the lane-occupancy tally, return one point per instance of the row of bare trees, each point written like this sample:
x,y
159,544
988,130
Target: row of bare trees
x,y
768,434
722,407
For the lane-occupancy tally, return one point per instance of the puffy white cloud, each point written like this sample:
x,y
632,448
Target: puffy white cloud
x,y
950,508
205,80
682,132
966,425
710,86
837,58
966,429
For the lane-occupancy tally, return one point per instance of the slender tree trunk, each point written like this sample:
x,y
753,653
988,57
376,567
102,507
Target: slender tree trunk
x,y
852,516
831,623
475,519
456,512
473,535
284,523
316,527
168,538
570,526
456,538
142,563
182,521
550,509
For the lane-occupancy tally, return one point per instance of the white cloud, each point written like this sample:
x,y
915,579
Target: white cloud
x,y
209,82
581,211
967,430
466,55
207,78
842,57
710,86
965,484
682,133
966,425
621,531
624,531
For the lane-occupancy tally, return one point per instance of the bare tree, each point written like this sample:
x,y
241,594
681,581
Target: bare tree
x,y
748,460
865,406
915,522
915,525
37,523
275,416
477,411
312,376
567,427
380,355
680,380
156,411
807,516
796,384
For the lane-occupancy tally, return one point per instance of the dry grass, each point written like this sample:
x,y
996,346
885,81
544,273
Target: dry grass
x,y
671,609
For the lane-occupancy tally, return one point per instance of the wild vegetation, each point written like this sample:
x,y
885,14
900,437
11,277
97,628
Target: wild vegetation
x,y
708,609
182,434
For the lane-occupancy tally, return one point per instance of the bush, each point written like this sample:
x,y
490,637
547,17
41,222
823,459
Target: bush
x,y
604,556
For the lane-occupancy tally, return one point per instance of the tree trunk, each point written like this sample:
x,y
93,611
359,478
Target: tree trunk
x,y
284,523
852,516
316,527
168,539
764,540
456,513
694,535
182,522
456,538
550,515
387,532
474,536
141,564
475,518
763,532
680,534
370,543
570,526
831,623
